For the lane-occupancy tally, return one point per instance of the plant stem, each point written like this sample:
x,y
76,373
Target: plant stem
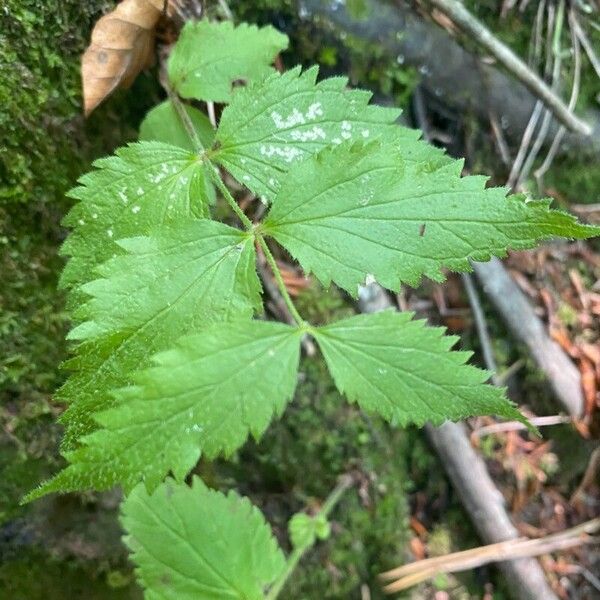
x,y
185,118
227,195
279,279
298,553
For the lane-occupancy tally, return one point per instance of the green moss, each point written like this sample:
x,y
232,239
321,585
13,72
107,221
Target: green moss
x,y
35,575
45,142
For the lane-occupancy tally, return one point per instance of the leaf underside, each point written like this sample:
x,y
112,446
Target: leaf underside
x,y
192,542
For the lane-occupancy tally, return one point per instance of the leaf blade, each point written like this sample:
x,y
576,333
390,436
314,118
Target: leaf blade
x,y
209,57
163,287
271,125
142,186
360,210
405,370
191,565
205,395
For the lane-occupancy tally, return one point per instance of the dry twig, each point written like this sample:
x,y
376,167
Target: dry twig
x,y
482,35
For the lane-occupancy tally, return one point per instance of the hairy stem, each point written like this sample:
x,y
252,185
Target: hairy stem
x,y
298,553
279,279
228,197
185,118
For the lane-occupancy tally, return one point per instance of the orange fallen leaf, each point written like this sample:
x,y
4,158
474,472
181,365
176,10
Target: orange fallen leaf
x,y
122,45
588,383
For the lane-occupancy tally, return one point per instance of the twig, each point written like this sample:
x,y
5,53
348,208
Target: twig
x,y
516,426
413,573
526,326
481,326
478,32
541,171
554,52
587,45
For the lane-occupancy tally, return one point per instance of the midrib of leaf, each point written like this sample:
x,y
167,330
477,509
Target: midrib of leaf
x,y
238,593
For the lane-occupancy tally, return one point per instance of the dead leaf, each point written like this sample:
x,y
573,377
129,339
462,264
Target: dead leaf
x,y
122,45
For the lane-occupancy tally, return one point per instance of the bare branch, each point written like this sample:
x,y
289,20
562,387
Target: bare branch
x,y
483,36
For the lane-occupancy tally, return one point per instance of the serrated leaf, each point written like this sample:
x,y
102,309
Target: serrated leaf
x,y
359,209
406,372
196,543
188,275
270,126
163,124
206,395
142,186
209,58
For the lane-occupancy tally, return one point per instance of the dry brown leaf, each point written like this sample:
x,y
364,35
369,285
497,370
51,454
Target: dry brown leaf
x,y
122,45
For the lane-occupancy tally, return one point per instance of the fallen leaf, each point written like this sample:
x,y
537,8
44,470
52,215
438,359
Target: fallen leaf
x,y
122,45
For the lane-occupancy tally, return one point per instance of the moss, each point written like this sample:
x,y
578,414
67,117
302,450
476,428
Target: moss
x,y
45,143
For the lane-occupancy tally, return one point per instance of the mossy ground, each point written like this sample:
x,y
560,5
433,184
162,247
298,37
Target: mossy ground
x,y
46,145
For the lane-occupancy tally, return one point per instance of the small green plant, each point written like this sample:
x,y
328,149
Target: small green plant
x,y
170,361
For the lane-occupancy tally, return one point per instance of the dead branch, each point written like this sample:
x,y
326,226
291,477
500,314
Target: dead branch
x,y
525,325
483,36
413,573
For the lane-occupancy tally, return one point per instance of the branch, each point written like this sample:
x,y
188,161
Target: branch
x,y
483,36
413,573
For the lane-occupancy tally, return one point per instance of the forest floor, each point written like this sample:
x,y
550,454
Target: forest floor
x,y
404,507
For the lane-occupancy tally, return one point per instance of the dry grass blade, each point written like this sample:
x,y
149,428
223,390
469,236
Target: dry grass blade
x,y
414,573
121,46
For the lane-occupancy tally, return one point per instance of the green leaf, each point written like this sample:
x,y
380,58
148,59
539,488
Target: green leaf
x,y
210,58
304,529
188,275
405,371
163,124
143,186
360,209
270,126
206,395
196,543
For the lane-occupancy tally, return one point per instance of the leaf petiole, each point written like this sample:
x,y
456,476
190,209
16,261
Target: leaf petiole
x,y
280,283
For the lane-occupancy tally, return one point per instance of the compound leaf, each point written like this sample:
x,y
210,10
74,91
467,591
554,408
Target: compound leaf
x,y
193,542
205,395
210,58
189,274
357,209
271,125
142,186
406,372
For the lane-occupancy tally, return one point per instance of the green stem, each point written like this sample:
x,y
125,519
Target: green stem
x,y
298,553
214,173
279,279
185,119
